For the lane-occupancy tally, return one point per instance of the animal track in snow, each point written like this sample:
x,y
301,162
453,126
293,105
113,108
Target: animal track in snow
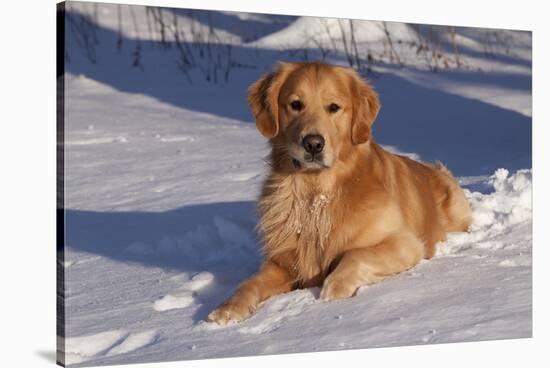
x,y
184,296
176,300
105,344
200,280
134,341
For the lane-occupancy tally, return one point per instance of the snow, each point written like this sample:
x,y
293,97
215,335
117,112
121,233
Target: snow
x,y
508,96
91,345
510,203
508,206
324,30
161,184
108,343
185,295
172,301
133,342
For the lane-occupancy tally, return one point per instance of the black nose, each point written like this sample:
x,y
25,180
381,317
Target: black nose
x,y
313,143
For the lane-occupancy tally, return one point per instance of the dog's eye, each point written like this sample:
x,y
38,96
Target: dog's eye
x,y
297,105
332,108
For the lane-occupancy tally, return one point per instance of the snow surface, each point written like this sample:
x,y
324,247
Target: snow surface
x,y
161,184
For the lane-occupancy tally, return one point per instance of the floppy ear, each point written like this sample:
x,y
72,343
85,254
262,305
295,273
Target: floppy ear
x,y
365,109
263,98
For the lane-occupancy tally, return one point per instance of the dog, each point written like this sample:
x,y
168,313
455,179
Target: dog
x,y
337,211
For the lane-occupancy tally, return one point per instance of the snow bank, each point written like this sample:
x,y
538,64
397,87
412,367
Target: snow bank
x,y
312,31
509,205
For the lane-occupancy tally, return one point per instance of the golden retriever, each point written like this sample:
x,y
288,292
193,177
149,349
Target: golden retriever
x,y
337,210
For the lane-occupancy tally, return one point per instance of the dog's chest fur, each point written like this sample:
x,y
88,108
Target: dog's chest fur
x,y
296,225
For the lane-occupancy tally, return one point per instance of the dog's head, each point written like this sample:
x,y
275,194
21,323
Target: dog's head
x,y
313,113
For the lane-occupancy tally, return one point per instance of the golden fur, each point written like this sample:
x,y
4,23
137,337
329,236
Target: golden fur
x,y
350,215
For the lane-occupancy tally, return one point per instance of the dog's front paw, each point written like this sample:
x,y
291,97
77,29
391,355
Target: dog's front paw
x,y
336,288
229,313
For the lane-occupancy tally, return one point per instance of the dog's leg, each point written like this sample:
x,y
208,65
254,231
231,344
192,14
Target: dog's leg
x,y
270,280
363,266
